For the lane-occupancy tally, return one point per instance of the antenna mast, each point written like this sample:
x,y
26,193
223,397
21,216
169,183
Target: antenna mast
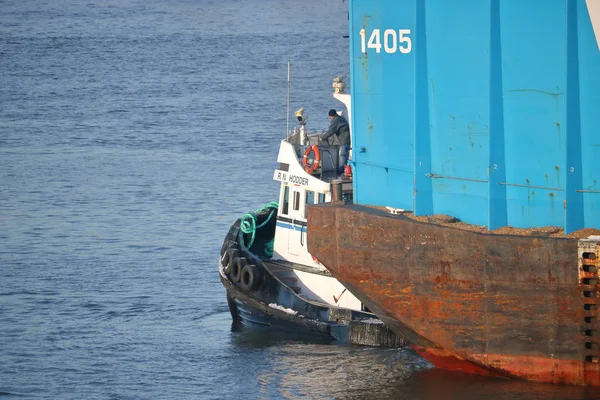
x,y
288,103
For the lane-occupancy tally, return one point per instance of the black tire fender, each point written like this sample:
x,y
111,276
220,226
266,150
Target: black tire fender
x,y
235,270
231,255
249,279
228,257
227,244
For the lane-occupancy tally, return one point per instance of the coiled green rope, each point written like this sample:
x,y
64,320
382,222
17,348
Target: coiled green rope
x,y
248,225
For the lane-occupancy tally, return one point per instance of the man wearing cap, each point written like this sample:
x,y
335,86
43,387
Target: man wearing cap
x,y
339,127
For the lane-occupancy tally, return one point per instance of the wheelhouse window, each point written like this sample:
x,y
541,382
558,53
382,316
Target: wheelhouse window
x,y
321,198
296,200
310,197
285,201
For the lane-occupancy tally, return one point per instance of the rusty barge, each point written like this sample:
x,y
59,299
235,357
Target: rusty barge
x,y
486,112
491,304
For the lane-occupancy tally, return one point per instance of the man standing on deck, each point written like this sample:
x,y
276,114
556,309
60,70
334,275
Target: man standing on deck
x,y
339,127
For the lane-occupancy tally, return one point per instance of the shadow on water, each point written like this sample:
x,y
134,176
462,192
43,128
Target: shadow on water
x,y
276,363
265,336
302,365
340,372
294,364
436,384
349,372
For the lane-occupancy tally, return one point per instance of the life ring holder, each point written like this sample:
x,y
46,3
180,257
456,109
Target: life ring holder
x,y
316,161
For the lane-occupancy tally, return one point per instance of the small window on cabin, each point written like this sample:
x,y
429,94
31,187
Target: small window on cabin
x,y
286,200
310,197
321,198
296,200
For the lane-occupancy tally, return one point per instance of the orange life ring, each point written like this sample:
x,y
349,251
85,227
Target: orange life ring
x,y
317,160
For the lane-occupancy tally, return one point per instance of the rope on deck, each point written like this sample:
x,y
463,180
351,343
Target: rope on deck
x,y
248,225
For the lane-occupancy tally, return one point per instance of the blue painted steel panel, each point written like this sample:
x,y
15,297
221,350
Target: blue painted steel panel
x,y
491,117
497,204
534,90
589,102
383,91
458,76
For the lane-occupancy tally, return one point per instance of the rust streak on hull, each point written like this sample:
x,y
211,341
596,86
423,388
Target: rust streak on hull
x,y
501,305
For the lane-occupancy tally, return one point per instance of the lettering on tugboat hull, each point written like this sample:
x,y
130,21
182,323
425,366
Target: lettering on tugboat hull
x,y
286,177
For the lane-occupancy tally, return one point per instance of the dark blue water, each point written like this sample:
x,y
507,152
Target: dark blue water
x,y
132,134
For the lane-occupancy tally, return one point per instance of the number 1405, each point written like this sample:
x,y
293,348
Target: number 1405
x,y
391,42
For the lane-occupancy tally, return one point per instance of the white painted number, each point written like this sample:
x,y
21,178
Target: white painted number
x,y
391,41
405,40
374,41
362,41
387,35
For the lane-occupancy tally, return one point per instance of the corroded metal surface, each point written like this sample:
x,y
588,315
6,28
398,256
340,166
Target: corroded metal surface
x,y
504,305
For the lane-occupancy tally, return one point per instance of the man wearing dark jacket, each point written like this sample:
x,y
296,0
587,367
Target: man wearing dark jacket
x,y
339,127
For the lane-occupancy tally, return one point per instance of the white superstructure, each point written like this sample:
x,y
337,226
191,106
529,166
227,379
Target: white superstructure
x,y
299,189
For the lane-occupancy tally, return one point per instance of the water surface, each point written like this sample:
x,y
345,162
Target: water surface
x,y
132,134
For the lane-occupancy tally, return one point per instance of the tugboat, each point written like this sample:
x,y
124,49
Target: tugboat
x,y
270,277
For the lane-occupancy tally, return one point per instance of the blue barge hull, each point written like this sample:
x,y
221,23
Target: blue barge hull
x,y
483,110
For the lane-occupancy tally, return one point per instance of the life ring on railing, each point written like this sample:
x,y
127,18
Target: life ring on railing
x,y
237,264
316,161
249,278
